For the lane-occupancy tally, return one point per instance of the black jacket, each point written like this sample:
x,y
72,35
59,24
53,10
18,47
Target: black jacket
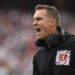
x,y
57,57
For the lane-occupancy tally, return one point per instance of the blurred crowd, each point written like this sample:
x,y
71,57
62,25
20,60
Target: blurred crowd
x,y
17,40
17,45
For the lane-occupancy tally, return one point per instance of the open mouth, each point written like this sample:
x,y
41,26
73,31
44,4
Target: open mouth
x,y
37,30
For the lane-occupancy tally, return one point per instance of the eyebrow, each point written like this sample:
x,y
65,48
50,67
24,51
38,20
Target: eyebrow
x,y
38,18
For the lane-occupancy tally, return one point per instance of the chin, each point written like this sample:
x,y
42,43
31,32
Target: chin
x,y
39,37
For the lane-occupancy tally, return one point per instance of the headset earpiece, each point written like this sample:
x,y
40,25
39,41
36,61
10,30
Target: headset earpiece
x,y
56,39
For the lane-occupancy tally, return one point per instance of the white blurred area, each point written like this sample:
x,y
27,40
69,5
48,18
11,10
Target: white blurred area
x,y
17,46
17,40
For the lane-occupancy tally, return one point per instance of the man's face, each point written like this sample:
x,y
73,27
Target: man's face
x,y
42,24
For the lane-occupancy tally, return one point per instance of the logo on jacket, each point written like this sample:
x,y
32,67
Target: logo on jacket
x,y
63,57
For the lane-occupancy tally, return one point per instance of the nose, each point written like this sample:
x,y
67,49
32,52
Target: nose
x,y
35,23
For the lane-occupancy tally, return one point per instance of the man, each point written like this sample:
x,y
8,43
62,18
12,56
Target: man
x,y
56,47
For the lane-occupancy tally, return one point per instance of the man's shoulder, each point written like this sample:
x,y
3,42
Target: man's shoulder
x,y
69,43
72,38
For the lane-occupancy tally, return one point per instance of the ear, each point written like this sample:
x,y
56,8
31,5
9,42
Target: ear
x,y
53,21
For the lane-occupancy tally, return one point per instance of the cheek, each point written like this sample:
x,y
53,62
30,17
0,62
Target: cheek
x,y
45,32
47,28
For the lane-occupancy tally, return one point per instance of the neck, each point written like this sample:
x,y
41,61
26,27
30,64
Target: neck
x,y
55,32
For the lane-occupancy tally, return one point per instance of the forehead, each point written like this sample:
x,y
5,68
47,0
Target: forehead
x,y
40,13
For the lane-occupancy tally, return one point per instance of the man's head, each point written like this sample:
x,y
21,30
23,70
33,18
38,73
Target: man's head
x,y
45,21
